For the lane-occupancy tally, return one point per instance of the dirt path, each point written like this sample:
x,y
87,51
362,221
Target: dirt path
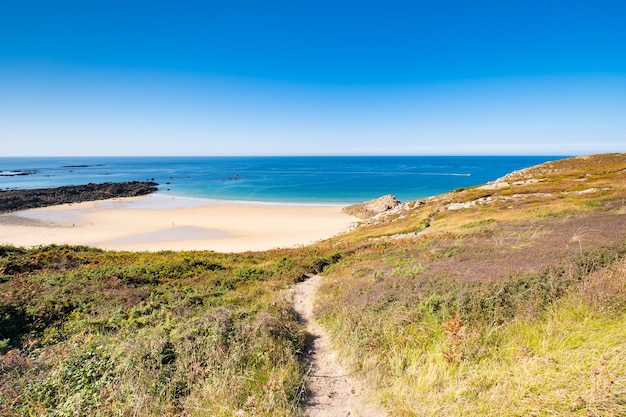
x,y
331,391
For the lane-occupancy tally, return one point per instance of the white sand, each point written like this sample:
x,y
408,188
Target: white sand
x,y
163,223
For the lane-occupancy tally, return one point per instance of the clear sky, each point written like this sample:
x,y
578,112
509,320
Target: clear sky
x,y
229,77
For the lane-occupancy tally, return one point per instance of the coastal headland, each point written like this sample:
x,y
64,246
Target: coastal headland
x,y
123,217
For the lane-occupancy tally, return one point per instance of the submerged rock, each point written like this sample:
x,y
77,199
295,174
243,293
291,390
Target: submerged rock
x,y
371,208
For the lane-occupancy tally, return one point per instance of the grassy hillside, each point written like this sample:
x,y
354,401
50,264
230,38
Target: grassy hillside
x,y
504,299
511,300
88,332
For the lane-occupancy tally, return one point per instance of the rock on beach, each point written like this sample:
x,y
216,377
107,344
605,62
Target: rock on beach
x,y
14,200
371,208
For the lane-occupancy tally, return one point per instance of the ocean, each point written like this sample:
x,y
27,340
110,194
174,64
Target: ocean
x,y
300,180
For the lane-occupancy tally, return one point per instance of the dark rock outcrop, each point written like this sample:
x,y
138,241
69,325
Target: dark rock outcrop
x,y
371,208
13,200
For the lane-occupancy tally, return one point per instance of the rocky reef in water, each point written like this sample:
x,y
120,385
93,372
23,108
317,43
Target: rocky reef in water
x,y
13,200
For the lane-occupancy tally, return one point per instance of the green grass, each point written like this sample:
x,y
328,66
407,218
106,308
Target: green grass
x,y
569,361
89,332
477,223
532,345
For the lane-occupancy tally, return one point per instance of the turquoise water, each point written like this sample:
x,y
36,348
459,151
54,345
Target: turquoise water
x,y
325,180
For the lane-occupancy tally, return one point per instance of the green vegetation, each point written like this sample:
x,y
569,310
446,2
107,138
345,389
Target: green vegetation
x,y
514,310
513,305
87,332
477,223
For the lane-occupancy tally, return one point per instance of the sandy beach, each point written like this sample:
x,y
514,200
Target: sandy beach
x,y
158,222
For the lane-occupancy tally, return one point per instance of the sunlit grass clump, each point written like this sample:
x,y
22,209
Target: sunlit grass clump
x,y
570,360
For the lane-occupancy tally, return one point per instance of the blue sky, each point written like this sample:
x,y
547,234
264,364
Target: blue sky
x,y
109,77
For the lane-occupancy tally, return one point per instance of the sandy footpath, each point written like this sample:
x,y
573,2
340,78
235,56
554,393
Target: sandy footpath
x,y
159,222
331,391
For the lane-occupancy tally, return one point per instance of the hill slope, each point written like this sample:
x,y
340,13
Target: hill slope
x,y
502,299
